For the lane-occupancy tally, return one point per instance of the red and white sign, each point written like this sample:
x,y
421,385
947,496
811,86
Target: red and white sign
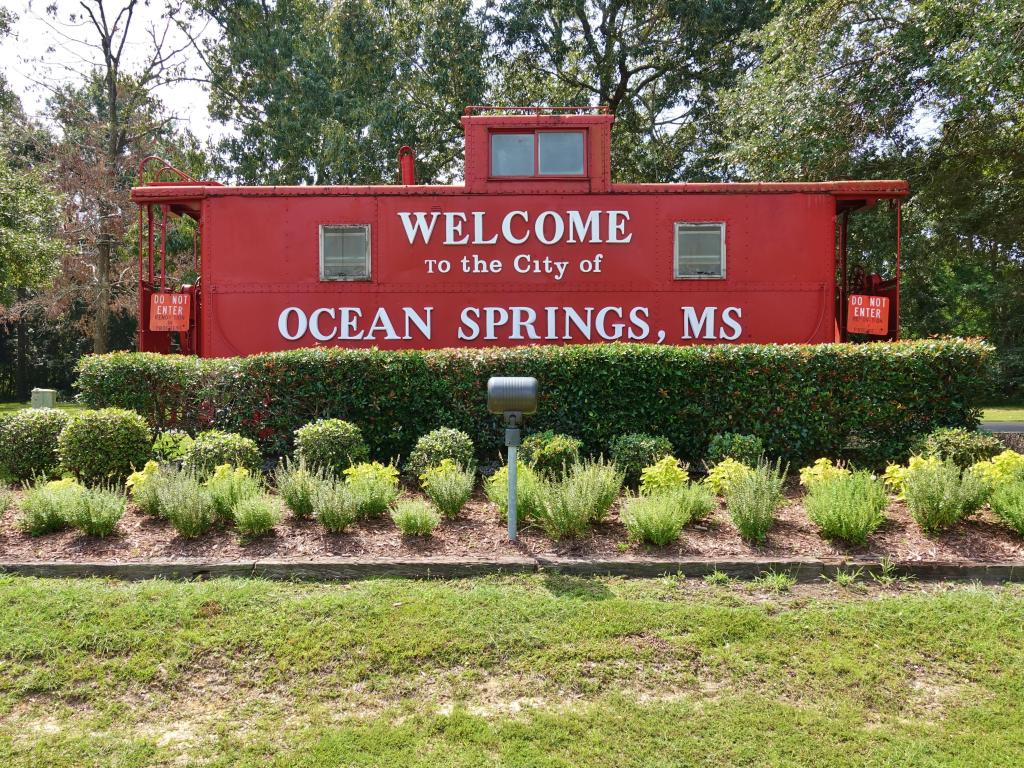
x,y
169,311
868,314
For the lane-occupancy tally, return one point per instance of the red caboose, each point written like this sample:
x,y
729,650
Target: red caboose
x,y
537,246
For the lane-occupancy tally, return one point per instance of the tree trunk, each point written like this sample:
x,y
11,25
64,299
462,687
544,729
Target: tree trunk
x,y
101,317
21,373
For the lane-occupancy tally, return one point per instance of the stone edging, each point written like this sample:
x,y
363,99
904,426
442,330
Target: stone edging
x,y
447,568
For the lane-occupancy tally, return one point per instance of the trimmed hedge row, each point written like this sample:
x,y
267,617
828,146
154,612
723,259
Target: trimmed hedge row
x,y
863,402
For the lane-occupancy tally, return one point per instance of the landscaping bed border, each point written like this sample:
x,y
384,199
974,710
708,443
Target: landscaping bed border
x,y
348,569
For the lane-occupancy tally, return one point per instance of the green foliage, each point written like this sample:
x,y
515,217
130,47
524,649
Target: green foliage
x,y
374,487
718,578
746,449
722,476
550,453
752,499
97,511
331,444
104,445
48,505
214,448
963,447
663,475
803,401
448,486
228,486
941,495
6,497
775,581
1008,504
334,505
257,515
822,469
438,445
659,518
297,485
28,442
171,445
529,492
415,517
1007,466
186,503
633,451
847,507
142,485
584,496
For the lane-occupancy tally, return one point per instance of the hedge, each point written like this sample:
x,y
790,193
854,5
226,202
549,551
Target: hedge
x,y
864,402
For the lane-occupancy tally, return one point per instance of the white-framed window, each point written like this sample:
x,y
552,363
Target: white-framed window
x,y
700,250
344,251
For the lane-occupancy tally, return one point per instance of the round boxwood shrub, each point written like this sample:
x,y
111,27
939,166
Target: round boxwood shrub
x,y
550,453
746,449
28,442
634,451
332,445
963,447
108,444
434,447
211,449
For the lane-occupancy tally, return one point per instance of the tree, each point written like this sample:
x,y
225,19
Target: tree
x,y
655,64
325,92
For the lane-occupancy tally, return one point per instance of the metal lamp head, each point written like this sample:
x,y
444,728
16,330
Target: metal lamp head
x,y
512,394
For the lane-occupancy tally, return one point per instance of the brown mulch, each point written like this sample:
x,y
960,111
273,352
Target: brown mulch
x,y
479,533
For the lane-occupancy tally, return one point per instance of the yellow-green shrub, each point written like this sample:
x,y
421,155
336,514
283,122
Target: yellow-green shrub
x,y
821,469
724,474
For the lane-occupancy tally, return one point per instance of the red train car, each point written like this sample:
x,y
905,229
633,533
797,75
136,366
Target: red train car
x,y
537,246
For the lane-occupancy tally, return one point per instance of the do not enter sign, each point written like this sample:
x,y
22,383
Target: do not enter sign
x,y
868,314
169,311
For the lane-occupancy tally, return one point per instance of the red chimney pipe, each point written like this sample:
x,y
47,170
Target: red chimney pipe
x,y
407,160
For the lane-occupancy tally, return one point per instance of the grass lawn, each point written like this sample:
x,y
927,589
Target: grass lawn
x,y
12,407
518,671
1003,413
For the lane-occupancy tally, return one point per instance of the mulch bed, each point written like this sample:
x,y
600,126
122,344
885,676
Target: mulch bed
x,y
479,533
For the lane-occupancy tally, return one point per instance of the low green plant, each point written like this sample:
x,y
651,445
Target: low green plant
x,y
888,573
721,476
822,469
332,445
172,445
448,486
895,477
185,503
438,445
142,487
104,445
6,497
775,581
1008,504
415,517
213,448
28,442
97,511
584,496
634,451
653,519
845,578
257,515
746,449
334,505
752,499
663,475
939,496
529,492
963,447
550,453
228,486
596,483
48,505
297,483
847,507
374,487
1007,466
717,578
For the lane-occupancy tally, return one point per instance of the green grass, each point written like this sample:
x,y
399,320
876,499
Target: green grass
x,y
1003,413
526,671
12,407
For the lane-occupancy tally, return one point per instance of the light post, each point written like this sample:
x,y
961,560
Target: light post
x,y
513,397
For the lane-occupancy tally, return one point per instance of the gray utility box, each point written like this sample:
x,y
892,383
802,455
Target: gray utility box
x,y
44,398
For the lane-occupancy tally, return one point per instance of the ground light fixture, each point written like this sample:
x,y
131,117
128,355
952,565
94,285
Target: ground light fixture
x,y
513,397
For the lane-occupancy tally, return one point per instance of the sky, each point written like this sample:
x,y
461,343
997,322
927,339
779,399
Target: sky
x,y
43,52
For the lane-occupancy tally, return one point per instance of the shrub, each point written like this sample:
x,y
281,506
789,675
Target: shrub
x,y
1008,466
97,446
212,449
297,484
228,486
415,517
142,486
664,475
529,492
171,445
659,518
1008,504
48,506
550,453
374,486
584,496
752,498
334,505
5,500
332,445
802,401
963,447
847,507
186,504
28,442
746,449
257,515
448,486
722,476
97,511
895,477
434,447
822,469
634,451
941,495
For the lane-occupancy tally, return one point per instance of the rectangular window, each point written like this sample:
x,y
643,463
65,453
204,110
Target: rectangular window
x,y
700,250
512,154
344,251
541,153
560,153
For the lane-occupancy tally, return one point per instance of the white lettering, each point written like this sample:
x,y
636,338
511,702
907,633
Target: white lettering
x,y
420,226
692,327
578,229
469,318
347,323
617,228
478,230
314,324
506,227
731,317
300,322
453,229
559,230
423,323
